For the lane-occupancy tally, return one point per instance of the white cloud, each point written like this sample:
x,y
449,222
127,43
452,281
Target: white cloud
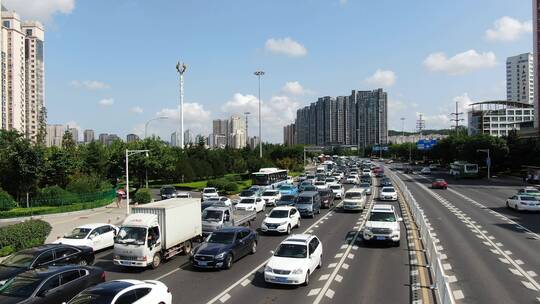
x,y
508,29
461,63
295,88
280,111
343,2
285,46
41,10
464,101
90,84
137,109
106,102
436,121
196,118
382,78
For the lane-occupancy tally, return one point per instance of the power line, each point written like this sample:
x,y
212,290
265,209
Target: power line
x,y
420,124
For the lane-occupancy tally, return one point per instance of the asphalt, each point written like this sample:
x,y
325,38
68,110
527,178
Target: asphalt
x,y
491,252
352,272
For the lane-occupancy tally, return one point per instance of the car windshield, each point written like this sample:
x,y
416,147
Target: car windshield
x,y
351,177
269,193
221,238
78,233
353,195
168,190
532,191
209,190
212,215
279,214
365,185
319,183
131,235
249,201
335,187
528,198
285,187
388,190
91,297
247,193
20,260
382,217
310,188
291,251
439,180
287,198
20,286
303,200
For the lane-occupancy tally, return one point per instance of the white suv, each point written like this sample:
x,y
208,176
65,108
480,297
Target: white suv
x,y
388,194
209,192
270,197
295,260
337,189
383,225
281,219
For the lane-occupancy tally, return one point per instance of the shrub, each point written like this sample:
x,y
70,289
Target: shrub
x,y
217,183
143,196
54,196
233,178
231,187
84,184
23,235
6,201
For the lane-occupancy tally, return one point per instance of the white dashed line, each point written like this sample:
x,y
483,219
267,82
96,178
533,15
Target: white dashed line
x,y
332,265
245,282
338,278
458,294
324,277
314,292
329,293
224,298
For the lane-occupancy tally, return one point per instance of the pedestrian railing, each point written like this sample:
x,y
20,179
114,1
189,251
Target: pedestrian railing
x,y
440,279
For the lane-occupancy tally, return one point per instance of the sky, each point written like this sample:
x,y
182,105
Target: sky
x,y
110,65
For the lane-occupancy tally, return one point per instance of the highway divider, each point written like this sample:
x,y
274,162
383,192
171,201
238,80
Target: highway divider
x,y
440,279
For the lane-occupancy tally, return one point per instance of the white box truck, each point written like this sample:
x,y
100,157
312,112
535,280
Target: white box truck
x,y
158,231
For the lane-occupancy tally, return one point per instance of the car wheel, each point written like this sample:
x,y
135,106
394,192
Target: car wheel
x,y
507,205
396,244
83,262
254,247
288,229
187,247
156,261
320,262
306,280
228,261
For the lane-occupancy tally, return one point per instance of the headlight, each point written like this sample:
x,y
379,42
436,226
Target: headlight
x,y
268,269
297,271
116,257
367,229
143,258
220,256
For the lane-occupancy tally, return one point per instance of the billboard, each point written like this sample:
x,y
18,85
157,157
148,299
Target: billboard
x,y
378,148
426,144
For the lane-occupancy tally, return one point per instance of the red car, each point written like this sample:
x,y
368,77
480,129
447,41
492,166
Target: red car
x,y
439,184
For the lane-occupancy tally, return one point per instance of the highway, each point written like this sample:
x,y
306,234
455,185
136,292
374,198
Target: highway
x,y
491,252
352,272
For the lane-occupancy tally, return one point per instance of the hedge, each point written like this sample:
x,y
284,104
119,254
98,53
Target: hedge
x,y
23,235
143,196
6,201
20,212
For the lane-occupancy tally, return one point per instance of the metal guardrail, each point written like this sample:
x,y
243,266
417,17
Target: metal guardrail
x,y
440,279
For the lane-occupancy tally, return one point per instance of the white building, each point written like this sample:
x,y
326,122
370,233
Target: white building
x,y
22,72
497,118
175,140
520,78
74,134
54,135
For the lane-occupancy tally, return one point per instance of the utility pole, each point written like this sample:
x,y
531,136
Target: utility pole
x,y
181,68
420,124
259,74
247,137
402,129
456,118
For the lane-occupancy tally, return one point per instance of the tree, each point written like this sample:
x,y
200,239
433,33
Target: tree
x,y
67,141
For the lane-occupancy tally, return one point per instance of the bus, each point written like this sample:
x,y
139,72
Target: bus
x,y
269,178
461,169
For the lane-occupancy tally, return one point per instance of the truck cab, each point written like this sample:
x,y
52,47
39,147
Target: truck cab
x,y
137,241
219,216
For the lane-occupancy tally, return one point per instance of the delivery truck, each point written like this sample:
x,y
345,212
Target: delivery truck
x,y
219,216
158,231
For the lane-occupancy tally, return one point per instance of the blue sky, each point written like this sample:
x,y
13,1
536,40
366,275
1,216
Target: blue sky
x,y
110,65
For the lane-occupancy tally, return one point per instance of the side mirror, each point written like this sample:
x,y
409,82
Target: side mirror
x,y
267,214
399,219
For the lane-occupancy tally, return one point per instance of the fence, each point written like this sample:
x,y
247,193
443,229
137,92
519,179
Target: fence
x,y
442,287
68,199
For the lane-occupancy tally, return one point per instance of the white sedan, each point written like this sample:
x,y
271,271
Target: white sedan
x,y
251,204
281,219
388,194
270,197
98,236
523,203
295,260
125,291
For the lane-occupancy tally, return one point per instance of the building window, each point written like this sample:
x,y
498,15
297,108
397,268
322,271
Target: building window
x,y
6,24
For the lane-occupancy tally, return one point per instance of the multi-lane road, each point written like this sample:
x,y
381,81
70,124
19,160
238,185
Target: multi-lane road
x,y
491,253
352,272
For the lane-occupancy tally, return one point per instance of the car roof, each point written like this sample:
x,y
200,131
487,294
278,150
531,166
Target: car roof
x,y
112,287
93,225
232,229
283,208
382,207
309,193
389,187
51,270
43,247
298,238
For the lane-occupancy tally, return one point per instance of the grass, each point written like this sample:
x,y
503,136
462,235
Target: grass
x,y
20,212
193,186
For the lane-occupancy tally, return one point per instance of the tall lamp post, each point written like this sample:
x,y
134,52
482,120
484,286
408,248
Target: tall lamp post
x,y
145,135
488,160
259,74
247,137
128,154
181,68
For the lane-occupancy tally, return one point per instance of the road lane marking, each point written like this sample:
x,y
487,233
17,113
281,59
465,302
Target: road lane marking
x,y
458,295
314,292
246,282
225,298
324,277
329,293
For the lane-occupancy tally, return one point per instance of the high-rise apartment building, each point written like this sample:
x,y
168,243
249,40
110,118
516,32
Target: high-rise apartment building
x,y
174,139
520,78
74,134
88,136
23,70
54,135
536,60
188,137
359,119
289,135
132,138
103,138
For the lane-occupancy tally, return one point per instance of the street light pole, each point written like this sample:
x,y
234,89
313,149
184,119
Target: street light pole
x,y
259,74
488,160
181,68
128,154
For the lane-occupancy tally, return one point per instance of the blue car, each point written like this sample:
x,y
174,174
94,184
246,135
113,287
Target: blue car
x,y
223,247
288,190
287,200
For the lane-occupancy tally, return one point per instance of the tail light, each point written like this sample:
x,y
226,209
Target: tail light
x,y
103,276
168,291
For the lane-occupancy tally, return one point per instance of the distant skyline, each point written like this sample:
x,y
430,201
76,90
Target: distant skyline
x,y
110,65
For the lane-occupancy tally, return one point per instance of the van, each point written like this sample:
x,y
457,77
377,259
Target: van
x,y
355,199
308,204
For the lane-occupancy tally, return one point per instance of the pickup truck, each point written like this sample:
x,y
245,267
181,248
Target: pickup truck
x,y
218,216
157,231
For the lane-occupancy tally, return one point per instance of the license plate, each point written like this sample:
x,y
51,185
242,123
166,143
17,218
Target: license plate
x,y
380,238
201,263
281,279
